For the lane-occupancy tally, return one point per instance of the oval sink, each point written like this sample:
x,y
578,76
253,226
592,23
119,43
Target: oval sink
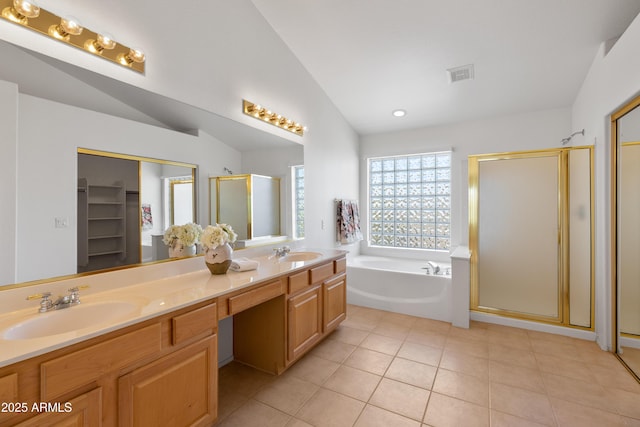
x,y
71,319
300,256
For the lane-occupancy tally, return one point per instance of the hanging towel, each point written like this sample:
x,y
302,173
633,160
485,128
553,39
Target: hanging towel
x,y
348,222
243,264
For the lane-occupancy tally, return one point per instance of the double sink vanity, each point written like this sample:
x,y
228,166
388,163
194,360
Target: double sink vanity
x,y
141,348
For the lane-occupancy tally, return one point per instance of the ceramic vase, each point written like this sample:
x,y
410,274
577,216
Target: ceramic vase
x,y
179,250
218,259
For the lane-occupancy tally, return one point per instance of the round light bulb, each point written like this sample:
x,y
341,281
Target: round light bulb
x,y
106,41
71,26
136,55
26,8
399,113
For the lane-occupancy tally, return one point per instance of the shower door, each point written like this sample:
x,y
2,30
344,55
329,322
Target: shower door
x,y
520,216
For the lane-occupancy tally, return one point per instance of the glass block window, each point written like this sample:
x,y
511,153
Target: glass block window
x,y
410,201
298,201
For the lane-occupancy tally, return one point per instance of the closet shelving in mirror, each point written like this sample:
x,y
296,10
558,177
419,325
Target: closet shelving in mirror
x,y
101,223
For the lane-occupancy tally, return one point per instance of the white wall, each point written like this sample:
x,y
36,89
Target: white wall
x,y
612,81
8,145
531,131
49,135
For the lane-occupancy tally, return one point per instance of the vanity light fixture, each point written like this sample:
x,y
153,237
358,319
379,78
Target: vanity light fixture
x,y
268,116
68,30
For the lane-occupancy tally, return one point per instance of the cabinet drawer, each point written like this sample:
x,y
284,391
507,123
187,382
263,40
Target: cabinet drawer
x,y
9,388
196,322
257,296
318,274
340,265
66,373
298,282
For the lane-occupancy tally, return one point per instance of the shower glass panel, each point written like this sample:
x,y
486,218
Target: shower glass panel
x,y
580,253
518,235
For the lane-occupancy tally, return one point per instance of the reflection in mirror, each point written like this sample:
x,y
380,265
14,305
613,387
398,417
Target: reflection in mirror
x,y
124,205
250,204
626,140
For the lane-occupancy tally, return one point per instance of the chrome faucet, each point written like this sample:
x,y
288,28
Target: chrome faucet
x,y
63,301
281,252
434,267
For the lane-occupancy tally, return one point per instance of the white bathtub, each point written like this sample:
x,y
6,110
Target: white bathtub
x,y
399,285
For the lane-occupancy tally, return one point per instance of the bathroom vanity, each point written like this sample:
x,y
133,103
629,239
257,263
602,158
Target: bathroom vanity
x,y
159,365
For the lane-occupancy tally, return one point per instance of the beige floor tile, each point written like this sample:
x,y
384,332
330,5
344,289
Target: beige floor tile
x,y
420,353
509,339
288,394
422,324
314,369
474,348
465,364
348,335
566,367
294,422
627,403
399,319
585,393
461,386
369,360
500,419
468,333
252,411
377,417
392,330
512,356
516,376
630,422
562,349
229,402
333,350
327,408
382,344
615,376
410,372
445,411
353,382
401,398
430,338
522,403
571,414
238,378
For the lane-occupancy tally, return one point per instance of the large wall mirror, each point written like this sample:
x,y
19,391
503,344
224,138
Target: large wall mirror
x,y
124,205
625,142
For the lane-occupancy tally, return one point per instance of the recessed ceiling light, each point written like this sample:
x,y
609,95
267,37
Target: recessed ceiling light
x,y
399,113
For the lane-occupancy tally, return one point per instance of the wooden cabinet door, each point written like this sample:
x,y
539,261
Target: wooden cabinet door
x,y
177,390
305,321
83,411
335,302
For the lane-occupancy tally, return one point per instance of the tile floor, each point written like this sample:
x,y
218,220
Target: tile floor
x,y
386,369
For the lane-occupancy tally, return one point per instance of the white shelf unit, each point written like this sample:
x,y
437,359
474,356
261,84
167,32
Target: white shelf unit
x,y
102,225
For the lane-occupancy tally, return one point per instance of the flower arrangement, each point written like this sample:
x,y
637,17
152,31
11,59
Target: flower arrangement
x,y
217,235
185,235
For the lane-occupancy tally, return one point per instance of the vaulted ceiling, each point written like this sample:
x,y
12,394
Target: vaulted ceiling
x,y
370,57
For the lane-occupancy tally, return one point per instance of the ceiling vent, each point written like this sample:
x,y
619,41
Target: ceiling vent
x,y
457,74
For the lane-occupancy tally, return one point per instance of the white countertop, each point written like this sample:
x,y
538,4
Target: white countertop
x,y
157,289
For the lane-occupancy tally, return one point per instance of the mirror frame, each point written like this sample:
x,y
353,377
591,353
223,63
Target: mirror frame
x,y
614,211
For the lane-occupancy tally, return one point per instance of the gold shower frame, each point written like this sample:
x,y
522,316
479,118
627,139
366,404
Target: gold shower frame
x,y
563,318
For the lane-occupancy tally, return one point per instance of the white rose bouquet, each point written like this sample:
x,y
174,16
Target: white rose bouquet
x,y
217,235
185,235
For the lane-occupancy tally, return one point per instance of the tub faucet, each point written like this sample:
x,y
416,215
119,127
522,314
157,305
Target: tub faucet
x,y
434,267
